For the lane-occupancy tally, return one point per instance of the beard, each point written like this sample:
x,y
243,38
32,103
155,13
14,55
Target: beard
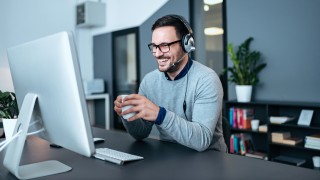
x,y
173,67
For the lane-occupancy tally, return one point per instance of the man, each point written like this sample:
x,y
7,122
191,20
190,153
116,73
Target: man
x,y
182,98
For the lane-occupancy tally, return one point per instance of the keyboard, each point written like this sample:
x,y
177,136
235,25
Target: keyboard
x,y
115,156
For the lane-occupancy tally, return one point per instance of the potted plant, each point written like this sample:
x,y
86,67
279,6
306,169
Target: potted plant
x,y
8,106
245,69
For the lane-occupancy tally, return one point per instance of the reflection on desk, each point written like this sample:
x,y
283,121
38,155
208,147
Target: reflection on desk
x,y
162,160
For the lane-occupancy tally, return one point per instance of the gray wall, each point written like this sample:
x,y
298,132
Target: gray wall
x,y
23,21
102,65
287,33
197,24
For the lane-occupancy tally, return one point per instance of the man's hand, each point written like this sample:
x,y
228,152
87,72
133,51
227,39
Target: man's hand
x,y
117,105
144,108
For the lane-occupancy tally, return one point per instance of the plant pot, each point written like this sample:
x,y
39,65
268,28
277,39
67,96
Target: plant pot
x,y
8,126
243,93
1,129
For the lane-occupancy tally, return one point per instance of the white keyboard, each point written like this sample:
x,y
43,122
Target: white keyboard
x,y
115,156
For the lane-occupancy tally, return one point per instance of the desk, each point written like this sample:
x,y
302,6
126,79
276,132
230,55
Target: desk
x,y
163,160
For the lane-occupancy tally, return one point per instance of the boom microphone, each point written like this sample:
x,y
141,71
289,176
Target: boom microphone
x,y
174,64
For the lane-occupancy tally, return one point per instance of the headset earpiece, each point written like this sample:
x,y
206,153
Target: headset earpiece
x,y
187,41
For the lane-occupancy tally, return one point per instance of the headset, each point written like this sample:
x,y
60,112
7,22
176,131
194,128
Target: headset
x,y
187,41
187,44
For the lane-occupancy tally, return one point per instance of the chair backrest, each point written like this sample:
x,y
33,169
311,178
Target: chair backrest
x,y
226,131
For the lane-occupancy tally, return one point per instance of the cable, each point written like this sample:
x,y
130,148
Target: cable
x,y
36,132
34,122
184,106
6,142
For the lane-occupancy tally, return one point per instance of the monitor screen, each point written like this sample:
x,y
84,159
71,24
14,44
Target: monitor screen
x,y
48,69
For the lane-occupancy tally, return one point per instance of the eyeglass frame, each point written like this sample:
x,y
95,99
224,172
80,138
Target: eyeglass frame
x,y
162,44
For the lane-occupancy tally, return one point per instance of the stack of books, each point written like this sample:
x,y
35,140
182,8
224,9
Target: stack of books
x,y
258,155
240,117
280,119
284,138
313,141
241,143
277,137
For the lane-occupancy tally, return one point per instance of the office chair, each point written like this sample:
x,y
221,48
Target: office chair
x,y
226,131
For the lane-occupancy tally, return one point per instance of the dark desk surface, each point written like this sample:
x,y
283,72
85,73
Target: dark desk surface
x,y
163,161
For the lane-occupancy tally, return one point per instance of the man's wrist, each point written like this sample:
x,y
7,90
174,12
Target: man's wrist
x,y
161,115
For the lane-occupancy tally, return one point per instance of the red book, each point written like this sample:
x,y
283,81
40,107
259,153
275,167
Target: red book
x,y
240,118
235,123
231,144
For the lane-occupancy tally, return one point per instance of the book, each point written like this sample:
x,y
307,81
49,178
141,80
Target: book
x,y
234,118
311,146
280,119
240,118
314,137
280,134
258,155
236,144
231,112
305,117
247,142
289,160
292,141
247,117
231,144
313,142
263,128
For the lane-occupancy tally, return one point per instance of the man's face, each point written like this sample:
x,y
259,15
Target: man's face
x,y
162,35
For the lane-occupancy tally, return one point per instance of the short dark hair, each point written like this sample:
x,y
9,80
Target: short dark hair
x,y
178,22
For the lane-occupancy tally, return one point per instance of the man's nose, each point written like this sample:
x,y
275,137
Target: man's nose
x,y
158,52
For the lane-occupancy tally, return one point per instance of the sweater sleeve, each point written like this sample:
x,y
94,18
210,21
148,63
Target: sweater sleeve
x,y
198,133
140,128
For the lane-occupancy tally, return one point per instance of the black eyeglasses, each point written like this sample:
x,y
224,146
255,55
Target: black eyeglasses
x,y
163,47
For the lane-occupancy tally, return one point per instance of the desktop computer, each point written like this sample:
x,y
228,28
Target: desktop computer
x,y
49,90
48,85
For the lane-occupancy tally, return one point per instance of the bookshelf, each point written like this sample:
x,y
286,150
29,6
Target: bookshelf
x,y
262,141
91,108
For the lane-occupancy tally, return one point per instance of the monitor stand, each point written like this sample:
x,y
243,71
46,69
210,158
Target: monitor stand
x,y
15,148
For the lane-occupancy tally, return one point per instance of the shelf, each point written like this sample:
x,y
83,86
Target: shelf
x,y
262,110
92,97
248,131
278,103
298,146
294,124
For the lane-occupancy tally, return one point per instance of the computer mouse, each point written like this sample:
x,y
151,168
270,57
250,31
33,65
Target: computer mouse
x,y
98,140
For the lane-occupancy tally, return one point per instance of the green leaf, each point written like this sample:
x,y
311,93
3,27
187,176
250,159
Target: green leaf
x,y
246,66
8,105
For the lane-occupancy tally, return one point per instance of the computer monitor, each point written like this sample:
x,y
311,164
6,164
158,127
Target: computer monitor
x,y
48,85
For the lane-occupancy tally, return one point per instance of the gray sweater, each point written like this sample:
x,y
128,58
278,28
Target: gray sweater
x,y
204,96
